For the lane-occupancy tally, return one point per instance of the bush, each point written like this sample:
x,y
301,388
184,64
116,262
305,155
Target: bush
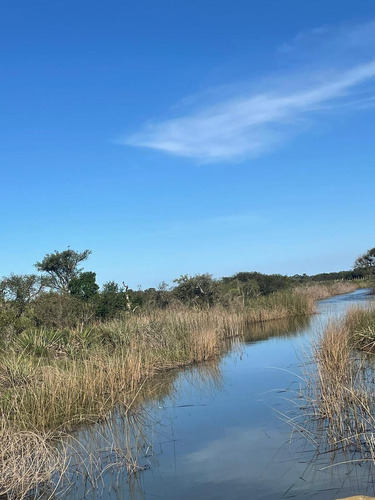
x,y
58,311
110,301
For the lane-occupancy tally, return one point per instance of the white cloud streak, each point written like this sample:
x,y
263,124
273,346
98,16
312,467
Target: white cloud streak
x,y
248,125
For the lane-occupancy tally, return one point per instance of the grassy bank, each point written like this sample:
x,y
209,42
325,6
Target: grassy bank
x,y
53,381
340,394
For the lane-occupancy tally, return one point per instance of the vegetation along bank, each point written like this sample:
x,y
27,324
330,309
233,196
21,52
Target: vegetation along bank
x,y
71,352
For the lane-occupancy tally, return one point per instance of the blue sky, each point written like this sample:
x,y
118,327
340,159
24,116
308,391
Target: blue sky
x,y
174,137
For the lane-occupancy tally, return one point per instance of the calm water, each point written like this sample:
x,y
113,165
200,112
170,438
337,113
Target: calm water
x,y
217,431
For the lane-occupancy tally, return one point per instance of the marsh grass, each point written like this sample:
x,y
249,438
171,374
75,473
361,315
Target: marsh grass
x,y
361,325
325,290
52,382
27,460
338,400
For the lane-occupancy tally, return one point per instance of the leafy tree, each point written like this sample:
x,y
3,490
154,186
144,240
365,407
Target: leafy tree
x,y
366,261
19,290
159,297
267,283
84,286
60,268
111,287
200,289
110,300
234,290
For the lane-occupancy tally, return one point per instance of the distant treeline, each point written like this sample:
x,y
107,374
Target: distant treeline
x,y
340,275
63,295
204,289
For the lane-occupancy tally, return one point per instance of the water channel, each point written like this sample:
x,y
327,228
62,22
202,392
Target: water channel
x,y
219,430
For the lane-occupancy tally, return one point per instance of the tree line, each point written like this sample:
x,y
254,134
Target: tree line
x,y
62,294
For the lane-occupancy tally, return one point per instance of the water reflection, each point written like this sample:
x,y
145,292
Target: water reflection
x,y
111,453
286,327
211,431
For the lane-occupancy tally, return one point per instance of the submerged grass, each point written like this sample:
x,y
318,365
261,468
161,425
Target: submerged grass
x,y
52,382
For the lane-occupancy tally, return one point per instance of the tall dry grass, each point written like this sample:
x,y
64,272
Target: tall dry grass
x,y
361,324
27,460
339,405
322,291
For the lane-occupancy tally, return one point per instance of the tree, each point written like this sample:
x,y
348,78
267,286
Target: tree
x,y
152,298
366,261
60,268
84,286
19,290
267,283
235,290
110,300
200,289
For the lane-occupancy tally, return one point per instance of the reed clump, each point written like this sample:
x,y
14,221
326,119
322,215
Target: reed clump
x,y
339,407
27,460
361,324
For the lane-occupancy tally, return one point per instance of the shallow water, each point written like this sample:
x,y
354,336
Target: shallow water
x,y
219,430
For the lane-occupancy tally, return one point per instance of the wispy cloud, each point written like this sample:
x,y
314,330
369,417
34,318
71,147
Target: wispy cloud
x,y
251,123
333,39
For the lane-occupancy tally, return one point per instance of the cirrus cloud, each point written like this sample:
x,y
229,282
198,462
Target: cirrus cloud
x,y
251,123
